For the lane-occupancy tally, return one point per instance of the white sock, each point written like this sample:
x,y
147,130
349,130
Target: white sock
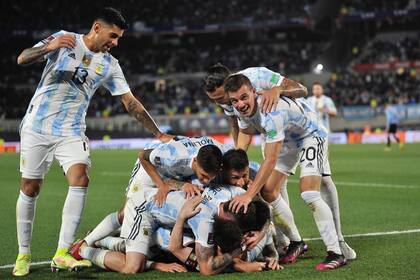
x,y
95,255
323,219
112,243
72,213
25,213
283,192
330,196
283,218
107,226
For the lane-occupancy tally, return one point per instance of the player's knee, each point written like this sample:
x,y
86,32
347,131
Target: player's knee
x,y
132,269
31,187
121,215
269,194
80,179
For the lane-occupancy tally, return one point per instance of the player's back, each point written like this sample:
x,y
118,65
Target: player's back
x,y
68,82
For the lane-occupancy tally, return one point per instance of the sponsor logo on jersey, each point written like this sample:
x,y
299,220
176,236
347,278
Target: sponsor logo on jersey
x,y
72,55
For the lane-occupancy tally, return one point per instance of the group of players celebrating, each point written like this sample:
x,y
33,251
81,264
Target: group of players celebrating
x,y
191,203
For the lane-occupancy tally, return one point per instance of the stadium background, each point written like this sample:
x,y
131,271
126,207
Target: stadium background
x,y
364,52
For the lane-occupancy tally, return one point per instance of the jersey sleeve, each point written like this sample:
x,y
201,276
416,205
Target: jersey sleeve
x,y
274,127
228,110
262,78
161,156
46,41
116,82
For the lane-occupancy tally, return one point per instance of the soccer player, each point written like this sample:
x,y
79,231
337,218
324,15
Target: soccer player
x,y
322,105
54,124
287,128
324,108
392,121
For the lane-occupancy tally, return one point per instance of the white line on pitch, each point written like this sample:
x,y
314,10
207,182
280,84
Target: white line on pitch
x,y
383,233
375,185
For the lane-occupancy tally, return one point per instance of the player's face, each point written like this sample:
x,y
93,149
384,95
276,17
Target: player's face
x,y
219,96
203,176
239,178
107,36
317,90
244,100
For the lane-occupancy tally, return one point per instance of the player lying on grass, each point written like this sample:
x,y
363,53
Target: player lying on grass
x,y
303,141
271,86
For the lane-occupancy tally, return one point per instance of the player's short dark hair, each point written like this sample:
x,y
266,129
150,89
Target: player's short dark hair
x,y
227,235
235,159
317,84
112,16
263,213
209,158
246,221
235,82
215,77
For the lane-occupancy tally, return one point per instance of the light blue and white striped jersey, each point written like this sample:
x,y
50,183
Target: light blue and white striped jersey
x,y
288,122
68,82
261,79
323,102
201,224
174,158
162,236
392,115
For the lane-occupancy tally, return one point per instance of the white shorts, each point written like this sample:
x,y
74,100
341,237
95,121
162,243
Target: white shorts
x,y
137,228
37,152
312,158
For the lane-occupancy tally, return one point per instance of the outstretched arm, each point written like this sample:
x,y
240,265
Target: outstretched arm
x,y
137,110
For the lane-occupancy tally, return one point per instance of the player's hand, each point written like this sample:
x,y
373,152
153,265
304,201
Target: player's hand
x,y
191,190
164,138
252,238
272,264
161,194
189,209
170,267
63,41
270,98
240,201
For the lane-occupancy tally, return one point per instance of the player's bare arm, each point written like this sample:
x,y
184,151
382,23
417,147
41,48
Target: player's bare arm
x,y
234,129
244,266
210,264
244,138
287,88
31,55
137,110
163,188
189,188
271,152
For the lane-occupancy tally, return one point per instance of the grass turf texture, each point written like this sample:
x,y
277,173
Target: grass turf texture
x,y
387,206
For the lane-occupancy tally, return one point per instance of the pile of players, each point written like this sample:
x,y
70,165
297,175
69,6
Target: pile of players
x,y
227,223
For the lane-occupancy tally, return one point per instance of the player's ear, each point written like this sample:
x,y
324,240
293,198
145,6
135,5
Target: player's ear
x,y
96,27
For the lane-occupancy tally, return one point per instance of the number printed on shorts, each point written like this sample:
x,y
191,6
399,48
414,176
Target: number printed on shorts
x,y
308,154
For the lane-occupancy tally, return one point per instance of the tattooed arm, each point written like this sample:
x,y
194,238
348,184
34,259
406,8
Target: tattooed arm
x,y
208,263
136,109
292,89
31,55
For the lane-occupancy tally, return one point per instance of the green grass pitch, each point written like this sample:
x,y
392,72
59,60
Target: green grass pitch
x,y
379,192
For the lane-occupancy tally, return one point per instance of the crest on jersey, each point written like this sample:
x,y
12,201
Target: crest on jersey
x,y
86,60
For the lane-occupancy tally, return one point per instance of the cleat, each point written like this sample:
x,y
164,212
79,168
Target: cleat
x,y
347,251
332,261
22,265
295,249
68,262
75,248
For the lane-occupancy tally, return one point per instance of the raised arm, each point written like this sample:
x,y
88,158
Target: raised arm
x,y
244,138
31,55
234,129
